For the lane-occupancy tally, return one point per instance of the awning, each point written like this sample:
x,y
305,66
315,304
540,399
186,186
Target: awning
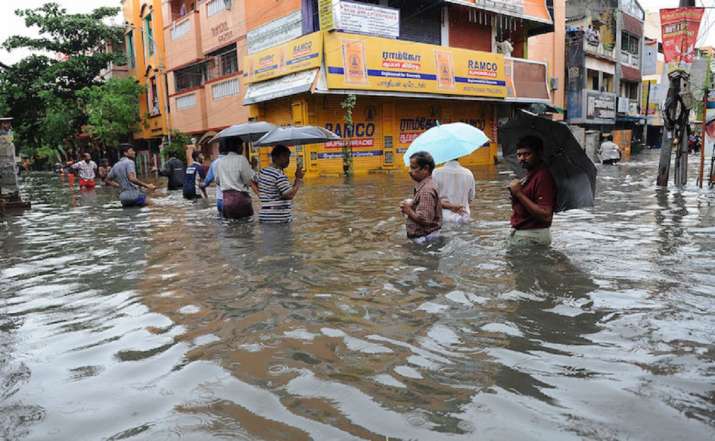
x,y
631,74
292,84
534,10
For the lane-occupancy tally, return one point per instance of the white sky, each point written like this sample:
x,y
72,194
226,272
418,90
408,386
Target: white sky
x,y
10,24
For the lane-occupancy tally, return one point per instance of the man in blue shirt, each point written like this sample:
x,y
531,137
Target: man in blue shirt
x,y
196,169
124,176
211,176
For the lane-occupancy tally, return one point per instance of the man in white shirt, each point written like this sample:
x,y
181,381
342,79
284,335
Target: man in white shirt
x,y
87,172
235,177
609,152
456,187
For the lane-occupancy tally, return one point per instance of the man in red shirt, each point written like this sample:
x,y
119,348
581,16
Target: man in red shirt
x,y
533,198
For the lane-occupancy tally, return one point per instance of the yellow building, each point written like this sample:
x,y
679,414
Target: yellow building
x,y
145,50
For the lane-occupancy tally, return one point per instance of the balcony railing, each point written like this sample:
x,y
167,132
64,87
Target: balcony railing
x,y
599,50
180,28
630,59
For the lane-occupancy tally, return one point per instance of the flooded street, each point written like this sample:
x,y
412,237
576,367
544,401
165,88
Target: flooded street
x,y
169,323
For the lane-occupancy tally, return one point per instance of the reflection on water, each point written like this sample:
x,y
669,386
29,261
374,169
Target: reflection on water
x,y
170,323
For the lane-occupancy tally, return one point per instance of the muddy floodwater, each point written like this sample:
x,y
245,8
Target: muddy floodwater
x,y
167,323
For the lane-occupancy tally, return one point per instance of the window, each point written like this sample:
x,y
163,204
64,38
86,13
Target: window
x,y
153,98
630,43
149,36
224,89
190,77
130,49
186,102
213,7
222,63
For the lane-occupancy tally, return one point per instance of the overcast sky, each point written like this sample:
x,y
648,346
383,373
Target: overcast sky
x,y
10,24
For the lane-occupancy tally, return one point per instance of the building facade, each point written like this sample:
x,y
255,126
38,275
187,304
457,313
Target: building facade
x,y
409,64
146,60
604,47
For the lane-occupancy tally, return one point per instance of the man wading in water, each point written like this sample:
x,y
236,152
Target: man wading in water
x,y
424,210
124,176
533,198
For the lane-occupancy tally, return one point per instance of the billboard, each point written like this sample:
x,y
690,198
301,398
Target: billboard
x,y
372,63
680,27
294,56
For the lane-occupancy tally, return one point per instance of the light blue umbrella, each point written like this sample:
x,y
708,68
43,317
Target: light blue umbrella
x,y
447,142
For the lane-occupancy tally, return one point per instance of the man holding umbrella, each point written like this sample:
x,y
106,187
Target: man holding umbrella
x,y
533,197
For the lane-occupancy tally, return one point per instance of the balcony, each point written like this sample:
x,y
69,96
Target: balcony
x,y
223,102
182,41
630,59
188,111
599,51
221,24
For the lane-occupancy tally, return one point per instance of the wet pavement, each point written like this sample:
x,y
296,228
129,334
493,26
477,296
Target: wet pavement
x,y
168,323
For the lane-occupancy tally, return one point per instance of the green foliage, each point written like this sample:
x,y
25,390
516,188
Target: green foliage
x,y
112,110
177,146
348,104
40,92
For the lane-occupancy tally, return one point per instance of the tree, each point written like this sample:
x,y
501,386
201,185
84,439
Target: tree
x,y
38,89
177,146
112,110
348,105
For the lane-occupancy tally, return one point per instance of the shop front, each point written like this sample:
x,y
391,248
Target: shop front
x,y
397,90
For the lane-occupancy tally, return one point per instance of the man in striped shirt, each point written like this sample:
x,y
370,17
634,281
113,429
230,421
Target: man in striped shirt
x,y
274,189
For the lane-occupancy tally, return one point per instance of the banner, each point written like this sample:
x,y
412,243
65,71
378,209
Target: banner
x,y
361,18
680,27
326,14
372,63
294,56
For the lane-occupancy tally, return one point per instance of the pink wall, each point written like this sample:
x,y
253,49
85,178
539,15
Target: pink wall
x,y
186,49
551,49
222,28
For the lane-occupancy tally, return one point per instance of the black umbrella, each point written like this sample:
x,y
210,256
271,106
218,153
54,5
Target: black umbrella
x,y
573,171
297,135
248,131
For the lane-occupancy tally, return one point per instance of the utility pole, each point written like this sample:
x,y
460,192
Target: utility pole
x,y
676,114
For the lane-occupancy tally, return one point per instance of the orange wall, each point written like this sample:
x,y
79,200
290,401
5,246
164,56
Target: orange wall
x,y
227,110
187,48
551,49
191,120
222,28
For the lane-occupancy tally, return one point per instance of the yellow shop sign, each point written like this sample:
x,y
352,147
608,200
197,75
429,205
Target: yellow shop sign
x,y
294,56
373,63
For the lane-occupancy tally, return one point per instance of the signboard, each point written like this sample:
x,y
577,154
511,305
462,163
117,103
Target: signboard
x,y
372,63
649,95
326,17
294,56
680,27
528,9
623,104
363,18
276,32
600,106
